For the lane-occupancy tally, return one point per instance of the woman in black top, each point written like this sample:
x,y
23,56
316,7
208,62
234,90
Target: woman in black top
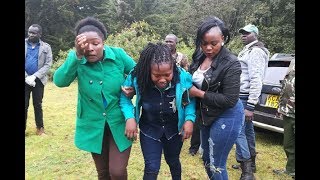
x,y
216,76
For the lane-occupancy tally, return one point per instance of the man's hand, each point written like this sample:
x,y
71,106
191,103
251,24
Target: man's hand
x,y
131,130
128,91
248,115
187,130
30,80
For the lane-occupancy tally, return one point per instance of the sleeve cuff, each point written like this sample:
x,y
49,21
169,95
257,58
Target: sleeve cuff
x,y
250,107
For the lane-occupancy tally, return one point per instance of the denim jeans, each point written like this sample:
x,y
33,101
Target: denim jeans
x,y
152,151
218,139
246,142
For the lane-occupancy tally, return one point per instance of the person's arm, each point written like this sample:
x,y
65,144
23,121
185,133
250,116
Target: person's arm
x,y
190,110
128,62
47,62
128,111
67,72
126,104
256,69
231,89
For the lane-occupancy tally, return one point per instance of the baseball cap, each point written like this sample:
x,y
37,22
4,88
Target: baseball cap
x,y
249,28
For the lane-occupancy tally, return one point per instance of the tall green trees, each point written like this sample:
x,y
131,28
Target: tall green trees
x,y
274,18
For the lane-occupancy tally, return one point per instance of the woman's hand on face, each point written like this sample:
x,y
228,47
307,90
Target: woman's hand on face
x,y
81,45
131,130
187,130
128,91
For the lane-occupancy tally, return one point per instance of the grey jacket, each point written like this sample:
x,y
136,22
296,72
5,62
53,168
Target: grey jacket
x,y
44,61
254,62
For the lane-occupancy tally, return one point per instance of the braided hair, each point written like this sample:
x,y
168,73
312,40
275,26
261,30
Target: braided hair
x,y
206,25
152,54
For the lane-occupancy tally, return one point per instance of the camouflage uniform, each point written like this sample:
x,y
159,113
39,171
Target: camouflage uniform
x,y
287,110
287,95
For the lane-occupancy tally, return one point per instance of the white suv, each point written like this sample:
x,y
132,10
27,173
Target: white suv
x,y
265,111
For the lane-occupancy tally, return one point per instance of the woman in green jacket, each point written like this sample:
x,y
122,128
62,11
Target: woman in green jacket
x,y
100,70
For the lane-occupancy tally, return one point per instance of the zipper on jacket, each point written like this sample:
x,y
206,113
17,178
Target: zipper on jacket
x,y
218,83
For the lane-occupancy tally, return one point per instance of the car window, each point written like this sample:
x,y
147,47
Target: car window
x,y
274,75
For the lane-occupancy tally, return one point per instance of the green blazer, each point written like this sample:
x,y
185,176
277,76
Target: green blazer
x,y
94,80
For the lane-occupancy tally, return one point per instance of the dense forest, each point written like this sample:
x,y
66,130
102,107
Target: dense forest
x,y
156,18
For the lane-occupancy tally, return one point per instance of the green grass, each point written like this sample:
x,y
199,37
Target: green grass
x,y
55,156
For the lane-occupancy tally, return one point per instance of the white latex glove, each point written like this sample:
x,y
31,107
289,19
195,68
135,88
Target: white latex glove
x,y
31,80
33,84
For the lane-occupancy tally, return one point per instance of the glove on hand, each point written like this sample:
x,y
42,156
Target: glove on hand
x,y
30,80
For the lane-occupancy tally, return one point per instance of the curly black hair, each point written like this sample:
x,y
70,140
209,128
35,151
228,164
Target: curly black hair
x,y
91,24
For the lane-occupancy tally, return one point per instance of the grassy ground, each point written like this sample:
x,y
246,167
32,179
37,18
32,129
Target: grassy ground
x,y
54,156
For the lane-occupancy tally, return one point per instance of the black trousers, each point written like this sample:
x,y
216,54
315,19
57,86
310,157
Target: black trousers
x,y
195,138
37,96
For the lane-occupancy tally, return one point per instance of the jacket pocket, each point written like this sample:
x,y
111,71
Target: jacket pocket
x,y
209,114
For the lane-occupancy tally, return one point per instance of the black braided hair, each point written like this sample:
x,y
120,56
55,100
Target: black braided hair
x,y
89,24
206,25
152,54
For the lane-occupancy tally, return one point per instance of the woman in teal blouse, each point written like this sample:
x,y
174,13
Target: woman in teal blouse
x,y
100,70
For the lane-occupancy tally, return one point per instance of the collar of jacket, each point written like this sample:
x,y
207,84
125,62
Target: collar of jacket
x,y
250,44
217,59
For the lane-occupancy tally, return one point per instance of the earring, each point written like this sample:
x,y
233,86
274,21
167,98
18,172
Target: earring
x,y
222,43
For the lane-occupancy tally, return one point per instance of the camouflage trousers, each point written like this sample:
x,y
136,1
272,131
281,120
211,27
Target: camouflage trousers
x,y
289,142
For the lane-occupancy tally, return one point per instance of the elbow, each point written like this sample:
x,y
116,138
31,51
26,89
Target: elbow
x,y
232,101
58,82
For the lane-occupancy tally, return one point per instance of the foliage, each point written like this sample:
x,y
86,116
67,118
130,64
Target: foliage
x,y
60,58
134,38
274,18
235,45
186,48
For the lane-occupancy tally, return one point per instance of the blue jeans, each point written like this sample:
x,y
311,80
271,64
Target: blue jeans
x,y
246,142
152,151
218,139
